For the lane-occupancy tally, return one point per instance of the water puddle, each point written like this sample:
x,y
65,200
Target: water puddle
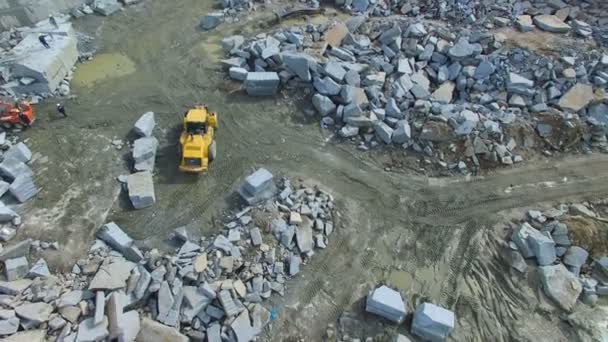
x,y
103,66
210,48
400,280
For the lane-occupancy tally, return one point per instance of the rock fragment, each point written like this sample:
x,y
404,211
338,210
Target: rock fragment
x,y
387,303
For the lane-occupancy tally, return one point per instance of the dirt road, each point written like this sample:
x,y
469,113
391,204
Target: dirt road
x,y
431,238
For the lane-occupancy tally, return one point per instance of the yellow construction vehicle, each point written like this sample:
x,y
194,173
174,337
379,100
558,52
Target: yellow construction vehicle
x,y
197,141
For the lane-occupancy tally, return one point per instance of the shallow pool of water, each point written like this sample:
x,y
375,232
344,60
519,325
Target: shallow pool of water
x,y
102,67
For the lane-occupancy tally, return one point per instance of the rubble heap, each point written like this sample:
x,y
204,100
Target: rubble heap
x,y
457,97
565,270
480,13
29,69
212,287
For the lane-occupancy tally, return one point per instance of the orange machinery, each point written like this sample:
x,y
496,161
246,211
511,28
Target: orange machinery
x,y
16,115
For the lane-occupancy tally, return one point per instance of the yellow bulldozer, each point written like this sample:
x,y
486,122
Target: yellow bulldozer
x,y
197,141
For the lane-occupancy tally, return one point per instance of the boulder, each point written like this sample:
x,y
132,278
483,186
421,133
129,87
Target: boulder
x,y
432,322
589,324
520,238
211,20
575,258
145,124
551,23
524,23
16,268
113,276
23,188
144,153
106,7
262,83
387,303
444,93
14,288
12,168
299,64
21,248
304,238
39,269
560,285
383,131
19,152
37,313
436,131
577,97
88,331
141,189
543,248
335,71
327,86
238,73
27,336
116,238
462,50
7,214
402,132
323,104
258,186
242,328
9,326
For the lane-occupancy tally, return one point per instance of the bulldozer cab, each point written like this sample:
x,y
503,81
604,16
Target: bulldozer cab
x,y
196,128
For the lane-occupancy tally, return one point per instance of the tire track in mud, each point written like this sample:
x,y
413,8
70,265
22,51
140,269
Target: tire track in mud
x,y
465,254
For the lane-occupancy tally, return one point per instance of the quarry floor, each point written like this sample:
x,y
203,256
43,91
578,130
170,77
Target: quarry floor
x,y
434,239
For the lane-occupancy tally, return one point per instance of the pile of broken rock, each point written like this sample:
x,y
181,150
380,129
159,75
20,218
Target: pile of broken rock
x,y
565,270
497,13
208,290
453,95
17,179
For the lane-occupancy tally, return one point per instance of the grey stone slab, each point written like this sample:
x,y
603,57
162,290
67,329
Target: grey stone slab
x,y
304,238
242,328
88,331
19,152
387,303
299,64
47,66
323,104
560,285
432,322
152,331
13,288
383,131
116,238
141,189
23,188
16,268
144,126
144,153
256,236
35,312
112,276
228,304
327,86
262,83
39,269
543,248
211,20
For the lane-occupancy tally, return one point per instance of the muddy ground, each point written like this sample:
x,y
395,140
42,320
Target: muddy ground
x,y
433,239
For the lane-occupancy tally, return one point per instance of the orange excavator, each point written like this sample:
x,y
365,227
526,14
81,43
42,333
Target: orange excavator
x,y
16,115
